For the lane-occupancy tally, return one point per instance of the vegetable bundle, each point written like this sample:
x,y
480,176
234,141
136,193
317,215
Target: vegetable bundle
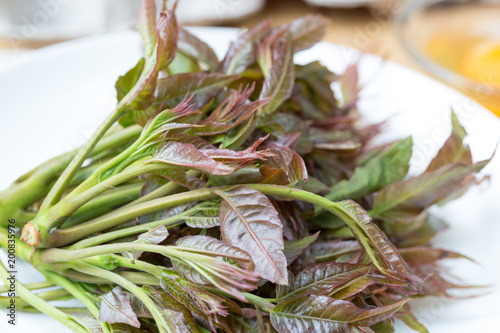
x,y
238,195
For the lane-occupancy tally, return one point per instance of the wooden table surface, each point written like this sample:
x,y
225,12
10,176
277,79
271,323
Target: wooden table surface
x,y
368,30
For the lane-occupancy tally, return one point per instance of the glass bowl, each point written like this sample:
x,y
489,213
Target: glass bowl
x,y
458,41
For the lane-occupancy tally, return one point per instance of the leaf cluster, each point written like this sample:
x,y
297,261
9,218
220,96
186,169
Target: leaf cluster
x,y
248,199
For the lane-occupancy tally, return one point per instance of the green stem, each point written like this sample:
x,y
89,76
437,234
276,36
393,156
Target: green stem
x,y
37,233
112,235
77,293
66,310
56,255
22,251
124,283
67,236
134,277
110,183
52,295
333,207
104,203
41,305
264,304
139,265
30,286
97,175
202,330
164,190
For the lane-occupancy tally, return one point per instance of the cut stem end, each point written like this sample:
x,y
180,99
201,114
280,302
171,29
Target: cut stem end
x,y
31,235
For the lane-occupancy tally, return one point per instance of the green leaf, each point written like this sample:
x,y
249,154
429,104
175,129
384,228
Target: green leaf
x,y
313,92
279,82
386,326
412,322
250,222
323,314
293,249
126,82
381,170
421,192
322,279
423,235
183,64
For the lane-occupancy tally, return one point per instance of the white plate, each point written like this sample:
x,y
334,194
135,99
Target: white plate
x,y
53,98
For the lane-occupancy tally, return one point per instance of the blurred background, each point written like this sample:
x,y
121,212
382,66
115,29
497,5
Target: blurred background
x,y
456,41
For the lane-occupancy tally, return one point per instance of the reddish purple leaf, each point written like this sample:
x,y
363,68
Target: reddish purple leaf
x,y
289,161
250,222
216,248
454,149
197,49
116,308
307,31
279,82
322,279
186,155
192,139
167,35
202,86
182,178
146,25
239,159
232,112
243,52
325,314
